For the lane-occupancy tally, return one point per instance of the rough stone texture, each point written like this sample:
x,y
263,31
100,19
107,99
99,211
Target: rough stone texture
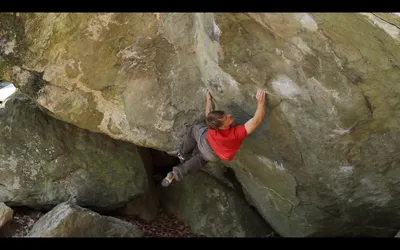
x,y
219,171
69,220
212,209
146,206
329,146
143,207
45,161
6,214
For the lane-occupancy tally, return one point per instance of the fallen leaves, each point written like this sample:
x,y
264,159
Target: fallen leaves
x,y
165,225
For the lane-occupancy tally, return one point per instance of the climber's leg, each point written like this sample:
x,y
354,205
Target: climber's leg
x,y
190,166
192,137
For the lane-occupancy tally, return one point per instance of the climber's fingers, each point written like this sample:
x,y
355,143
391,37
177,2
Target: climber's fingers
x,y
208,95
260,94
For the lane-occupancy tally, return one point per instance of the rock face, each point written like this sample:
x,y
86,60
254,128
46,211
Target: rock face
x,y
69,220
328,147
45,161
6,214
212,209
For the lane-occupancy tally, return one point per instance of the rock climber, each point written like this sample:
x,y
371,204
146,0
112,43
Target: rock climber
x,y
218,140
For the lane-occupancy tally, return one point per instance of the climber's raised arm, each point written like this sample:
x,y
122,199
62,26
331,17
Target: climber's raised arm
x,y
209,102
258,117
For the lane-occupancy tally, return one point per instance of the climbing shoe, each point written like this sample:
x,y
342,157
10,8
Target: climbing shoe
x,y
180,157
168,179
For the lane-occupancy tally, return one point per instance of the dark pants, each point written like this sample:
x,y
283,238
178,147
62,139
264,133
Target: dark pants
x,y
196,150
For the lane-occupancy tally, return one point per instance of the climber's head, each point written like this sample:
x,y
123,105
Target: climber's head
x,y
219,120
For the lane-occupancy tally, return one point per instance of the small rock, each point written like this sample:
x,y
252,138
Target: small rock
x,y
6,214
70,220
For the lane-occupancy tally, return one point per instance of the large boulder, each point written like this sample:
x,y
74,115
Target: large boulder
x,y
45,161
212,209
70,220
328,147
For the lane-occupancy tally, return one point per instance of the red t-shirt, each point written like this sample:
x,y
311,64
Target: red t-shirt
x,y
226,142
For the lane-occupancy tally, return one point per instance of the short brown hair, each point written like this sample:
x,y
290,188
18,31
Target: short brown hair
x,y
214,119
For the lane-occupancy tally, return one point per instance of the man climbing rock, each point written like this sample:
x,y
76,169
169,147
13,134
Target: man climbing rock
x,y
219,140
